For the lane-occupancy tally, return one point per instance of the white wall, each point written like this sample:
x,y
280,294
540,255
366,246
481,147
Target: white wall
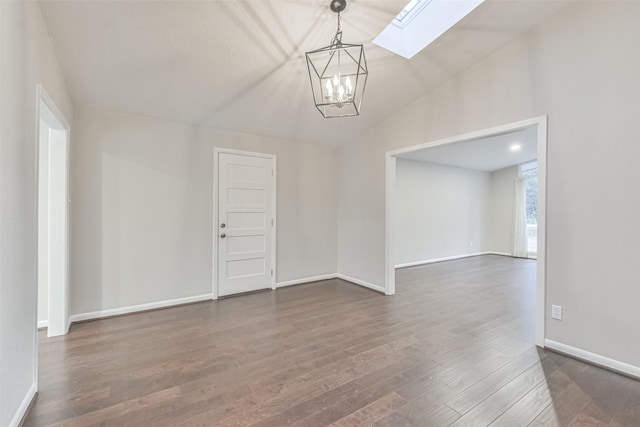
x,y
143,208
26,57
501,210
441,211
579,68
444,211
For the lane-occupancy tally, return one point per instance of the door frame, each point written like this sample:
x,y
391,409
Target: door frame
x,y
54,118
390,187
216,155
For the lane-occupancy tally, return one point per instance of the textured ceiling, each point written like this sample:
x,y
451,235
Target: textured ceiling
x,y
484,154
240,65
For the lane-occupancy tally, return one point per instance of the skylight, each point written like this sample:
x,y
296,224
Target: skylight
x,y
421,22
412,8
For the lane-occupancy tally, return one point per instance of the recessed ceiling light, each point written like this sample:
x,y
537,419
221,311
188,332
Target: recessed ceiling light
x,y
420,22
515,147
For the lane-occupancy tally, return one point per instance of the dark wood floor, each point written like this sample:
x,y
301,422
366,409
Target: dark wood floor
x,y
453,347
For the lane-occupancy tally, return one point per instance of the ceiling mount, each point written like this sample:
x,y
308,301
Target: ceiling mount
x,y
338,6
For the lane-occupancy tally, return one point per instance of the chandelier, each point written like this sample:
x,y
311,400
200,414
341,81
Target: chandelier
x,y
338,74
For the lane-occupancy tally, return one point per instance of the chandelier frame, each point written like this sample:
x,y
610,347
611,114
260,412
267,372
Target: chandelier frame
x,y
331,69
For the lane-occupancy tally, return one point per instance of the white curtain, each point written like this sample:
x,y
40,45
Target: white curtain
x,y
520,221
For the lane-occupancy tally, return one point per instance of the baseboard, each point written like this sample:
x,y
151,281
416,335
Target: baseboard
x,y
361,282
596,359
136,308
449,258
500,253
43,324
24,407
305,280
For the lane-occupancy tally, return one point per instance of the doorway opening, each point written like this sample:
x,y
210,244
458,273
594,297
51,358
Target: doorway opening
x,y
539,127
53,217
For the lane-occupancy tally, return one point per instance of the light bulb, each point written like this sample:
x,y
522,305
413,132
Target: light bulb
x,y
349,87
340,92
329,89
336,81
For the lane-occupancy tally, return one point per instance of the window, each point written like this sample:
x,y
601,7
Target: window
x,y
529,171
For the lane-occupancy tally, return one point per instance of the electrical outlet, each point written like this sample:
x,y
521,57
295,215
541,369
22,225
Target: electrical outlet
x,y
556,312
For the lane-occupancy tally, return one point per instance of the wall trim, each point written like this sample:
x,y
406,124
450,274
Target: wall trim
x,y
43,324
306,280
596,359
23,409
449,258
359,282
500,253
137,308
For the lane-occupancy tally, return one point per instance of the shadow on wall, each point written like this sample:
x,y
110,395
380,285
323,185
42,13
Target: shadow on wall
x,y
144,205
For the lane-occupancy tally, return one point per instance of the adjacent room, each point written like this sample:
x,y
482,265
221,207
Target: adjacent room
x,y
467,198
319,212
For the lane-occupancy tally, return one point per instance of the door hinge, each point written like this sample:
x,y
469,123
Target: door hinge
x,y
272,173
272,272
272,222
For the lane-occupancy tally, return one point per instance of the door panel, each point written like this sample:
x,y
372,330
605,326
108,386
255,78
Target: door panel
x,y
246,220
246,197
246,244
245,268
246,173
245,228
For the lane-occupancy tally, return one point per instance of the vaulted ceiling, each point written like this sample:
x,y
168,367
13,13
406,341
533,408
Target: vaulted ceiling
x,y
239,64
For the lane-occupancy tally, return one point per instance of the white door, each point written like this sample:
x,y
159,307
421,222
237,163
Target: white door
x,y
245,223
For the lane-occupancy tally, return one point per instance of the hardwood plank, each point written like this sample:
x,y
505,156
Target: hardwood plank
x,y
443,350
420,412
603,403
372,412
568,404
499,402
478,392
525,410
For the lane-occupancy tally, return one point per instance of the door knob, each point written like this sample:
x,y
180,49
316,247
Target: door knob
x,y
222,236
223,225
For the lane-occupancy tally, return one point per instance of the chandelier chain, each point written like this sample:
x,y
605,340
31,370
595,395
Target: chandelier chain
x,y
337,39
